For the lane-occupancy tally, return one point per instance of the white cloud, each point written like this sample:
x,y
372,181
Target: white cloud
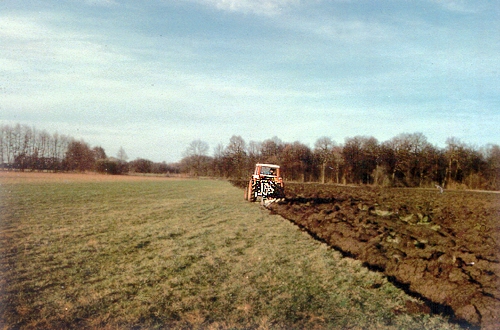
x,y
460,6
349,30
21,29
260,7
31,41
10,65
103,3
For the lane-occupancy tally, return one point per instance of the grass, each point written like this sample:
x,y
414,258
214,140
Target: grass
x,y
177,254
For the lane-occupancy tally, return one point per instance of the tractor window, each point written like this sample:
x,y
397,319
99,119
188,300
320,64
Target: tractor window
x,y
267,171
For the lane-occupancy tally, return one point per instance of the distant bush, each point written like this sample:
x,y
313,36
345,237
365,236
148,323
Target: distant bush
x,y
110,167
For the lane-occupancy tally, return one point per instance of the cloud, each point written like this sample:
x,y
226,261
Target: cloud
x,y
101,3
18,28
459,6
75,76
30,39
260,7
347,30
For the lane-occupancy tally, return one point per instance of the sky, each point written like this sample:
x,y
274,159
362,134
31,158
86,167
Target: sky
x,y
153,76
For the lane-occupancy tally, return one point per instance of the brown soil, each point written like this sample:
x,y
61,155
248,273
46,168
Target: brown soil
x,y
443,247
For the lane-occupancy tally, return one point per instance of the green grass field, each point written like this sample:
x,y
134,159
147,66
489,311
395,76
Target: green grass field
x,y
177,254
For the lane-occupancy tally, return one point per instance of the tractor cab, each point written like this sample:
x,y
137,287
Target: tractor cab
x,y
267,171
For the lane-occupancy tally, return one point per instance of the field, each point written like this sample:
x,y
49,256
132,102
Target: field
x,y
91,251
443,246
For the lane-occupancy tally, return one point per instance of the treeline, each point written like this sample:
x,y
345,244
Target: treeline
x,y
25,148
407,160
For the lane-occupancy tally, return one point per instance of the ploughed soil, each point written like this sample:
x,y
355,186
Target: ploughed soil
x,y
443,247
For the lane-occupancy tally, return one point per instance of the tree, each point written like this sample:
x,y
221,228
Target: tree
x,y
3,143
79,157
412,161
219,161
435,165
141,165
297,161
323,149
6,144
254,153
40,153
197,148
164,168
195,157
236,155
108,166
57,150
338,160
492,157
99,153
22,142
122,155
270,150
455,150
360,155
420,153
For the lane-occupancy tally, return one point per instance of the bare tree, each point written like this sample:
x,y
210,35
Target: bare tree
x,y
141,165
360,155
79,157
492,158
122,155
197,148
455,150
195,157
99,153
323,149
3,143
254,153
219,160
297,161
338,161
270,150
9,145
44,138
236,154
24,144
412,158
58,147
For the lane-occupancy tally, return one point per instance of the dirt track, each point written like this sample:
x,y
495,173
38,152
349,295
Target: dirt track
x,y
442,246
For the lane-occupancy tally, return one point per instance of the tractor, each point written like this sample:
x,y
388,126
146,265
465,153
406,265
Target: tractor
x,y
266,183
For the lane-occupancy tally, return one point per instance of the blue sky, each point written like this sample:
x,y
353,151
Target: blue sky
x,y
152,76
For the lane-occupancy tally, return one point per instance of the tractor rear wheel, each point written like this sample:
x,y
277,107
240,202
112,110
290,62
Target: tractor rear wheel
x,y
249,193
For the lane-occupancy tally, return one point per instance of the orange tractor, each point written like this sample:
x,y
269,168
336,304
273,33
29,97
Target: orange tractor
x,y
266,183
